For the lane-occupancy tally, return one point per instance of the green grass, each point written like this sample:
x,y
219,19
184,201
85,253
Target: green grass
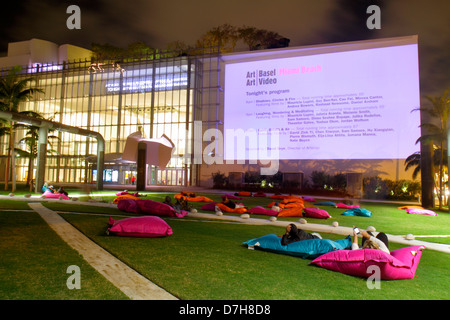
x,y
204,259
34,262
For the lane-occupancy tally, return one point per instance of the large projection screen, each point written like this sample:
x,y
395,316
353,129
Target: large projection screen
x,y
339,101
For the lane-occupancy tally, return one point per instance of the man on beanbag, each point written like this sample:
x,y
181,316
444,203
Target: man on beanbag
x,y
294,234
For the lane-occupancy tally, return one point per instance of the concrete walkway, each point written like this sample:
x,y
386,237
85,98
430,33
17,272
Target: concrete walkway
x,y
131,283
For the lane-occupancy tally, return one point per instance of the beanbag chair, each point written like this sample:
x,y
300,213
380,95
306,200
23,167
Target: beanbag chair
x,y
158,209
346,206
149,207
316,213
326,203
278,196
400,264
244,194
357,212
292,200
51,195
310,199
291,212
259,194
128,205
231,196
148,227
193,199
411,207
421,211
225,208
310,248
261,210
208,206
124,196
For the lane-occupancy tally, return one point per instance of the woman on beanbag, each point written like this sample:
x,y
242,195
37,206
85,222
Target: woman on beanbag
x,y
379,242
294,234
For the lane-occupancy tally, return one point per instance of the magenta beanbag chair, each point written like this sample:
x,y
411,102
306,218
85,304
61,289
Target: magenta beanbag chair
x,y
50,195
421,211
261,210
400,264
316,213
309,199
147,226
210,206
149,207
346,206
231,196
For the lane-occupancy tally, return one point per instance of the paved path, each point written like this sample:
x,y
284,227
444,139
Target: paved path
x,y
133,284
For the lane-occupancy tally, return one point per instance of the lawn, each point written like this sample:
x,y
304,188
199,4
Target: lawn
x,y
205,259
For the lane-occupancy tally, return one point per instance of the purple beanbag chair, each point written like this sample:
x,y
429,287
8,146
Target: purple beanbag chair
x,y
421,211
50,195
400,264
261,210
307,198
149,207
316,213
148,227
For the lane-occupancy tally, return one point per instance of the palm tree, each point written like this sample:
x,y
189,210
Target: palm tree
x,y
13,90
437,131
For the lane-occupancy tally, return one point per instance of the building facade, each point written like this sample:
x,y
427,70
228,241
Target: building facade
x,y
162,93
177,94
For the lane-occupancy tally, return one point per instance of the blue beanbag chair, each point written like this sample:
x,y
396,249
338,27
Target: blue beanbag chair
x,y
311,248
357,212
326,203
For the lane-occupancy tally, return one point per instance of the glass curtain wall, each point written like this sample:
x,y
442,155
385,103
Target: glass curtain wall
x,y
153,96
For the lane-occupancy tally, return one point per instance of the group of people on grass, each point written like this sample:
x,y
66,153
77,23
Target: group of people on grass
x,y
292,234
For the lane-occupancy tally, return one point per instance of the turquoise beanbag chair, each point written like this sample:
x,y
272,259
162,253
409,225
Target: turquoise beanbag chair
x,y
357,212
311,248
326,203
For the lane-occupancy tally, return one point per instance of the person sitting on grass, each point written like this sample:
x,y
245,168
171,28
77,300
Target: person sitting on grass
x,y
295,234
380,242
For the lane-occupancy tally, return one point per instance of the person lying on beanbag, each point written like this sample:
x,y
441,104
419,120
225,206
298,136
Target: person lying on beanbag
x,y
379,242
294,234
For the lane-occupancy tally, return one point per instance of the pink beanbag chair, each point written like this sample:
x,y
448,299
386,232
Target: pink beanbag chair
x,y
149,207
421,211
209,206
309,199
316,213
231,196
400,264
346,206
49,195
148,227
261,210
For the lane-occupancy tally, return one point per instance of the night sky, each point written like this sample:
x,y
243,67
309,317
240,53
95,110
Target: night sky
x,y
304,22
